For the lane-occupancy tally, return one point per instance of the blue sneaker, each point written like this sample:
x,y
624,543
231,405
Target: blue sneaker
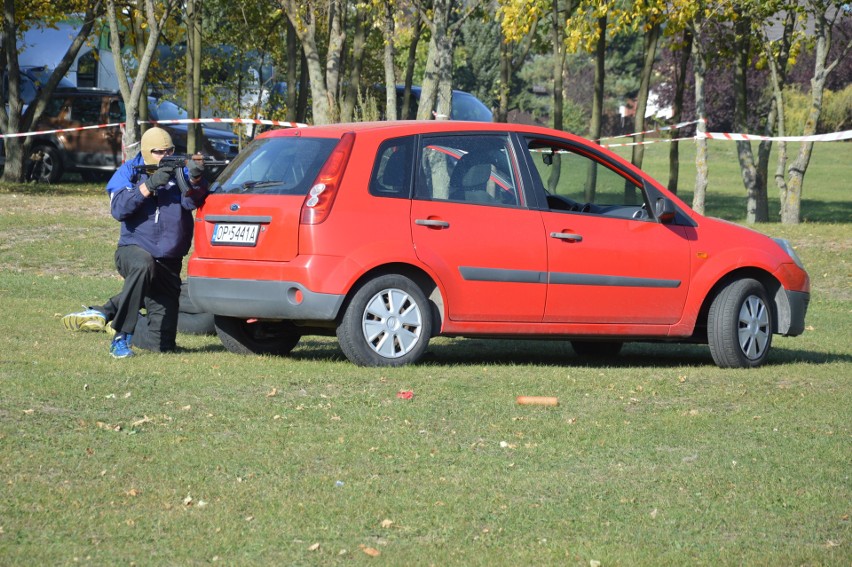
x,y
120,347
88,320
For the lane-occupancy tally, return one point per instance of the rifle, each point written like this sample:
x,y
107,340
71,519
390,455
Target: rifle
x,y
178,162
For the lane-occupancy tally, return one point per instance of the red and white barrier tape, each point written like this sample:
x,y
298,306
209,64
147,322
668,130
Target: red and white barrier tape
x,y
230,121
833,137
176,121
646,142
659,129
76,129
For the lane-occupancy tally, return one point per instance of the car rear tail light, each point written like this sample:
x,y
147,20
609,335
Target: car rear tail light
x,y
318,203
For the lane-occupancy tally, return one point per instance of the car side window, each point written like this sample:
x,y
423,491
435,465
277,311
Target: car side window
x,y
477,169
392,169
86,110
576,182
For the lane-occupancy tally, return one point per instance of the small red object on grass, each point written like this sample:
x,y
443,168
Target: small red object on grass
x,y
405,394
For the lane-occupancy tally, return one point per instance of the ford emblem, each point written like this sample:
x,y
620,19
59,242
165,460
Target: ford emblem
x,y
235,207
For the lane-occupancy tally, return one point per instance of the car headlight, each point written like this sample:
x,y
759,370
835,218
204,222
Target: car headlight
x,y
788,248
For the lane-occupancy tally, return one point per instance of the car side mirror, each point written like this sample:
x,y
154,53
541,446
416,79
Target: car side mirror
x,y
664,210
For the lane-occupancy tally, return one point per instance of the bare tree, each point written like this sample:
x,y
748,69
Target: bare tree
x,y
824,15
136,95
17,119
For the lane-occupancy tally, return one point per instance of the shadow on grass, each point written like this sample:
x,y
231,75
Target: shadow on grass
x,y
732,207
449,352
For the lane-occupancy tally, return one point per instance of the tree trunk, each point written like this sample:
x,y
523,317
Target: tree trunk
x,y
677,110
132,97
389,54
435,59
756,206
649,47
323,79
334,55
503,85
791,206
699,69
193,73
597,108
558,70
775,117
292,63
411,60
358,42
13,118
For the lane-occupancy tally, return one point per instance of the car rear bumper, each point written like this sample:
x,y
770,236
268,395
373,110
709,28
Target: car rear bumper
x,y
262,299
791,313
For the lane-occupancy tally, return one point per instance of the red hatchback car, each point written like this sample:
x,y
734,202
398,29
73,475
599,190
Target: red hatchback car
x,y
390,233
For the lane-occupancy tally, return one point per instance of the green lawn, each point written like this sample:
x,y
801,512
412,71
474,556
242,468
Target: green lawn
x,y
205,457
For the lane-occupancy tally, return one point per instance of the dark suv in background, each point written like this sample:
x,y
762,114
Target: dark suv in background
x,y
96,153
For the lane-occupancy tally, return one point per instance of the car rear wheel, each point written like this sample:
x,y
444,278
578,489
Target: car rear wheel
x,y
739,325
43,165
597,349
259,337
387,323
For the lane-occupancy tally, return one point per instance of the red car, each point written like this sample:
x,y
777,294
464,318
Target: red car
x,y
390,233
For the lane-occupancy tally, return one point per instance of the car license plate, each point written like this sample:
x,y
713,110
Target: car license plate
x,y
232,234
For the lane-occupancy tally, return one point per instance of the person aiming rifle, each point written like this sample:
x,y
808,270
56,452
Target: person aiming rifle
x,y
179,161
153,198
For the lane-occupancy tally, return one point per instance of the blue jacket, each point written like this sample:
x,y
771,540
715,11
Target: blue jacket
x,y
162,224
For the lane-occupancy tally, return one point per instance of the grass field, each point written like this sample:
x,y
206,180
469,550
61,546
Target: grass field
x,y
205,457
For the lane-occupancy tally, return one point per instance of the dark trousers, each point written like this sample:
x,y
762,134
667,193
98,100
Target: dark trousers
x,y
152,283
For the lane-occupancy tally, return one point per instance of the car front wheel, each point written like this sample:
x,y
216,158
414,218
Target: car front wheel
x,y
387,323
739,325
259,337
44,165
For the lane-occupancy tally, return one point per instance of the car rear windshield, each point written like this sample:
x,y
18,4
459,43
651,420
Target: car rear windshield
x,y
277,166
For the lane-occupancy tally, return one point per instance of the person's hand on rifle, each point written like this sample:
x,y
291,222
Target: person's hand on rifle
x,y
159,178
195,166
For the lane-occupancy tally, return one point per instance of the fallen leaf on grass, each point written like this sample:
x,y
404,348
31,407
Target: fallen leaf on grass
x,y
272,393
133,492
386,523
314,547
29,411
145,419
371,551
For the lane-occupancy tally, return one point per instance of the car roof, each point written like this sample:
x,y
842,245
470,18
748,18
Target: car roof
x,y
409,127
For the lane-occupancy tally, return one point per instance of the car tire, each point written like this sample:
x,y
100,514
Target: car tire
x,y
260,337
51,167
739,325
387,323
597,349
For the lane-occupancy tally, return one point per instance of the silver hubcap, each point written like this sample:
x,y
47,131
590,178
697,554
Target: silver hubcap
x,y
753,328
392,323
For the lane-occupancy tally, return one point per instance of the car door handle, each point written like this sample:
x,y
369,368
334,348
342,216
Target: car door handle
x,y
567,236
432,223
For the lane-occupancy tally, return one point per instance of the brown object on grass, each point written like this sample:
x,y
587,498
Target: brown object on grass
x,y
537,401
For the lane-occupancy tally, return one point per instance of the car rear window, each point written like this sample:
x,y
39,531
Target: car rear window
x,y
277,166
